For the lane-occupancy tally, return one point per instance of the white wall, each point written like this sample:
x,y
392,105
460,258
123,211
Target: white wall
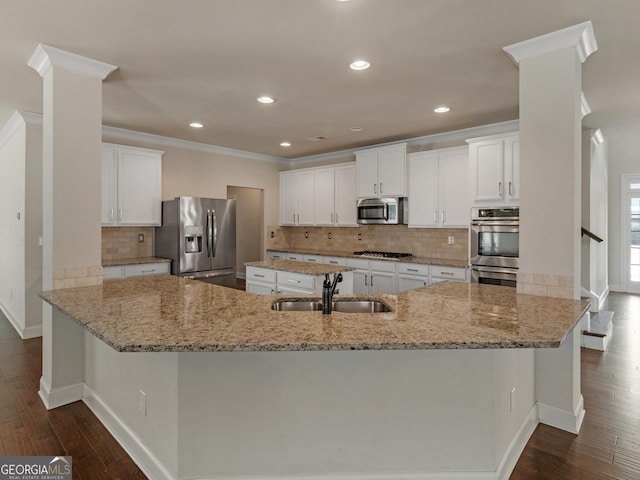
x,y
249,226
12,239
624,157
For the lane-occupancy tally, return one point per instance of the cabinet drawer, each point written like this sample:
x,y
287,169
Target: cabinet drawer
x,y
451,273
312,258
358,263
146,269
294,256
276,255
413,269
335,260
110,273
261,275
296,280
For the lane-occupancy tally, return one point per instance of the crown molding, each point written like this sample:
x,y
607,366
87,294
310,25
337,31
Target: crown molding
x,y
123,134
417,143
585,109
580,37
44,57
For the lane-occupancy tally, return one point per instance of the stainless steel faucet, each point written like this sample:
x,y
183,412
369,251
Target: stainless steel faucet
x,y
328,289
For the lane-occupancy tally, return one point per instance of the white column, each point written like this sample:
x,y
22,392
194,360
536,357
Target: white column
x,y
551,111
71,177
550,159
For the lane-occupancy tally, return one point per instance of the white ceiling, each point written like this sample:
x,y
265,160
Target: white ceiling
x,y
208,60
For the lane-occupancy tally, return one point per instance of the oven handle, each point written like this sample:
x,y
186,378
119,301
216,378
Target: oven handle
x,y
479,268
494,223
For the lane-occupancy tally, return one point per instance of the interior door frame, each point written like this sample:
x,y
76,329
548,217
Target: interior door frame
x,y
625,212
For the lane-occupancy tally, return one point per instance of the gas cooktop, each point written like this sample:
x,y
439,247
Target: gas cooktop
x,y
369,253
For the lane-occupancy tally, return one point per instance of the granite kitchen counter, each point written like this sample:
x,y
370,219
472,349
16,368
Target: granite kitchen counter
x,y
444,262
133,261
173,314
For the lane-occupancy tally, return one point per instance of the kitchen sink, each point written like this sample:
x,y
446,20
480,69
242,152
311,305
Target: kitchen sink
x,y
343,306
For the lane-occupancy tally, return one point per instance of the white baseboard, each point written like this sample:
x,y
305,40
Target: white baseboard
x,y
13,320
603,297
615,288
153,467
517,445
32,332
139,453
54,398
562,419
242,275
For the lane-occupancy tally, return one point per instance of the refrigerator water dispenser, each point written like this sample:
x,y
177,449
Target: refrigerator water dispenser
x,y
193,238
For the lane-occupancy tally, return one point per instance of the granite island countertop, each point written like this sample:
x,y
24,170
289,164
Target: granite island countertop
x,y
443,262
171,314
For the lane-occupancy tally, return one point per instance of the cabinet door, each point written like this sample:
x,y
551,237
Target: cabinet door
x,y
512,168
260,288
392,171
360,281
323,196
487,167
345,196
305,198
139,184
423,190
407,282
455,206
288,198
109,190
367,173
382,282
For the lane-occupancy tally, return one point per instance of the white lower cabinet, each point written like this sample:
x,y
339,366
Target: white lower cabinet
x,y
442,274
412,275
135,270
313,258
270,282
373,276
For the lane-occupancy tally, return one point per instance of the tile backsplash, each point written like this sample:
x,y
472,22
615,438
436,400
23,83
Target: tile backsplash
x,y
123,242
421,242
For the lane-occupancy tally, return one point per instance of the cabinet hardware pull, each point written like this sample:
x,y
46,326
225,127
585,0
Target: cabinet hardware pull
x,y
298,219
258,275
292,280
380,188
111,219
294,218
375,188
148,271
446,273
442,217
332,218
372,280
435,216
510,188
336,217
500,188
333,262
412,269
365,281
120,214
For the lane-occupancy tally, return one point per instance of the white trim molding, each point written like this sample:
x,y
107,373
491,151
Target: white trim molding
x,y
45,56
562,419
11,127
597,138
53,398
585,109
580,37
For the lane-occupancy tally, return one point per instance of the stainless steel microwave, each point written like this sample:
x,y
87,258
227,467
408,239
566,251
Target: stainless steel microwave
x,y
383,211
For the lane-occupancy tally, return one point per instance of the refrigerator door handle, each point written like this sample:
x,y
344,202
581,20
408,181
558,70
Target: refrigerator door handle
x,y
214,237
209,232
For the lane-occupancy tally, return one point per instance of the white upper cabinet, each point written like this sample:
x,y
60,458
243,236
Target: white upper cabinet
x,y
382,171
131,186
438,188
346,214
323,196
494,169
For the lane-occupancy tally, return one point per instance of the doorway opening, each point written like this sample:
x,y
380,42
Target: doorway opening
x,y
249,226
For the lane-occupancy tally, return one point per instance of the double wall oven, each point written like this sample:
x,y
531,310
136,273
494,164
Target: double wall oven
x,y
495,245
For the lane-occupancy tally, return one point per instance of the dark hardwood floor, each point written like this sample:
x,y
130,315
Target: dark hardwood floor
x,y
608,446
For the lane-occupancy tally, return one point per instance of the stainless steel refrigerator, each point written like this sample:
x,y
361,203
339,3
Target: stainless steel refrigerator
x,y
199,236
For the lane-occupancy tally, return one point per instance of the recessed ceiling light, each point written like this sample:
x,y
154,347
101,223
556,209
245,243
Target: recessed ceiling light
x,y
266,99
357,129
441,109
285,144
359,65
196,125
